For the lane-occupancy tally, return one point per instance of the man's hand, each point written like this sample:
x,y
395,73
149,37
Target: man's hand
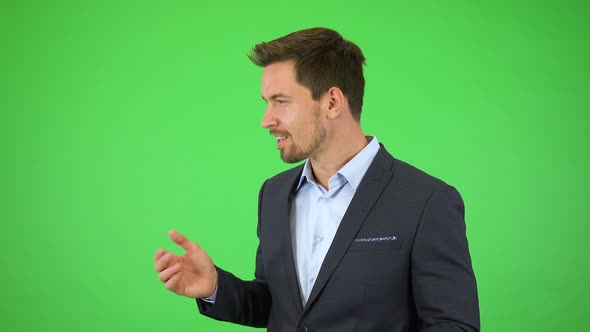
x,y
192,274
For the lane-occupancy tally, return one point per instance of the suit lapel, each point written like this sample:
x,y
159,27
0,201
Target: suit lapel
x,y
281,202
369,190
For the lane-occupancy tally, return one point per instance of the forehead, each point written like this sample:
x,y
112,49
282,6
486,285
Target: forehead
x,y
279,78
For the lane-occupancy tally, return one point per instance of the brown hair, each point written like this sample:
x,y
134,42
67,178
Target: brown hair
x,y
323,59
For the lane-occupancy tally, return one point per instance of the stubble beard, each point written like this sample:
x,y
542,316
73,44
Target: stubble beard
x,y
299,153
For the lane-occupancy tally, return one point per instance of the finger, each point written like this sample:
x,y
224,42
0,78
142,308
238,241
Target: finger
x,y
159,254
182,241
163,262
169,272
171,283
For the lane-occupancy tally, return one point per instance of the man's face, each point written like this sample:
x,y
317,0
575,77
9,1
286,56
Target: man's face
x,y
291,114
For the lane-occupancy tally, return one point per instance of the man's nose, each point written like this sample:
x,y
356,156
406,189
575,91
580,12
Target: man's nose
x,y
268,119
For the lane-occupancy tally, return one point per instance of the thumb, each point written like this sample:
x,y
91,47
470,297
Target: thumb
x,y
182,241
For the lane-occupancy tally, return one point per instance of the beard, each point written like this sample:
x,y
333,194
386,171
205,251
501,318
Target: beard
x,y
298,153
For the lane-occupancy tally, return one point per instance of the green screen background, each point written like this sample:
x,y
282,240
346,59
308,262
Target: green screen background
x,y
122,120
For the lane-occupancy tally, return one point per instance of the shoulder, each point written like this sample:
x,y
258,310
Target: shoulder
x,y
418,185
407,174
413,181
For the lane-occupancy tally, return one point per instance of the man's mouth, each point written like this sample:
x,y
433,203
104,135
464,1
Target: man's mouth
x,y
281,141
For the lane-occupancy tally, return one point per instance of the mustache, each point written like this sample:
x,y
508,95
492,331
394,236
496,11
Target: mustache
x,y
278,133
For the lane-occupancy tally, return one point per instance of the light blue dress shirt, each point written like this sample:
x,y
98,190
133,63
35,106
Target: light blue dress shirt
x,y
316,213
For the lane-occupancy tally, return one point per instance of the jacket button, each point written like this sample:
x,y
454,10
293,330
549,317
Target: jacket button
x,y
303,329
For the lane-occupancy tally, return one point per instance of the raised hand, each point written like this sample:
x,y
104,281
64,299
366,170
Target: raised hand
x,y
192,274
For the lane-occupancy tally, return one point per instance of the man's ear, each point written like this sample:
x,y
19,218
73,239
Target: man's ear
x,y
336,101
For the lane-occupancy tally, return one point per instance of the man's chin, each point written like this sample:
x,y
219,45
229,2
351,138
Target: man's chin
x,y
291,158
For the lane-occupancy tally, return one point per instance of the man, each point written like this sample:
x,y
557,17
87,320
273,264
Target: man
x,y
353,239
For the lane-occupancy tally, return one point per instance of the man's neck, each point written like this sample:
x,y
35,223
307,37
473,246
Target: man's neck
x,y
328,162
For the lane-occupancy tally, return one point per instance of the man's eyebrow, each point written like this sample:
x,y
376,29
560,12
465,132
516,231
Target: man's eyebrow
x,y
275,96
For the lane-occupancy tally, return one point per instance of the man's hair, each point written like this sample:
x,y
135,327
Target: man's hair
x,y
323,59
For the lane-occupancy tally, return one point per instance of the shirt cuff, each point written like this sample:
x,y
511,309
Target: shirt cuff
x,y
211,299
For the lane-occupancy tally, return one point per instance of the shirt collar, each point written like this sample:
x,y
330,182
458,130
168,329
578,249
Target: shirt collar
x,y
353,171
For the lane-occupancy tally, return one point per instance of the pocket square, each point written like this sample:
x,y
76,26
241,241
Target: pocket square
x,y
376,239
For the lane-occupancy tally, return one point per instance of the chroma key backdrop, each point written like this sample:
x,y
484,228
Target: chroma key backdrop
x,y
121,120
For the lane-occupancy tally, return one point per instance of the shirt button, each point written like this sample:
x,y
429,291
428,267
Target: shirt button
x,y
320,238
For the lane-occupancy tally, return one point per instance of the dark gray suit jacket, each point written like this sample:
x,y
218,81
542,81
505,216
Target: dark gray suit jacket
x,y
414,274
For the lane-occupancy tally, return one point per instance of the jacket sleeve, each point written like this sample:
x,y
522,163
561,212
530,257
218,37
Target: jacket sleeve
x,y
238,301
443,282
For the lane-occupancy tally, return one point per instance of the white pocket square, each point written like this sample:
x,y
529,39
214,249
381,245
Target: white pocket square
x,y
376,239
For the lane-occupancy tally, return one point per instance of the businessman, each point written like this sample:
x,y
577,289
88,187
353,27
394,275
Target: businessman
x,y
353,239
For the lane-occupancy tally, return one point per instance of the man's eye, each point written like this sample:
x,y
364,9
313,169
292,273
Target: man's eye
x,y
281,101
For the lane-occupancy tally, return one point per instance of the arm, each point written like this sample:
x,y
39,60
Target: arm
x,y
443,282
